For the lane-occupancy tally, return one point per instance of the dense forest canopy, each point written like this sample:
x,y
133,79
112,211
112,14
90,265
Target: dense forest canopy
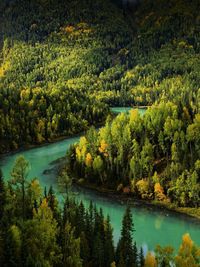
x,y
155,156
36,231
64,62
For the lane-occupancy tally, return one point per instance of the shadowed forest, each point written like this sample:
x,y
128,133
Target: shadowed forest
x,y
63,65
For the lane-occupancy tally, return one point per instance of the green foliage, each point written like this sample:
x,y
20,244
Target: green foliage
x,y
60,68
61,65
71,248
40,237
19,173
164,256
188,253
153,156
126,252
74,235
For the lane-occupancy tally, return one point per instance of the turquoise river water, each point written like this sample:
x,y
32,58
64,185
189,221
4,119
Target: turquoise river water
x,y
152,226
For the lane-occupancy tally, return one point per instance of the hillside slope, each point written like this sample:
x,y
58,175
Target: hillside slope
x,y
65,61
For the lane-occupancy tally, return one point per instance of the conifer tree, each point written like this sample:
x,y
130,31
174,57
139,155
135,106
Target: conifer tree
x,y
125,248
135,253
80,219
14,246
71,248
98,251
84,249
53,203
141,258
108,246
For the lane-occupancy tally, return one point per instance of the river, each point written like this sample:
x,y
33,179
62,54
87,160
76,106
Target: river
x,y
152,226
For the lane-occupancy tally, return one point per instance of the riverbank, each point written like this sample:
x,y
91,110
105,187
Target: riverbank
x,y
25,147
43,144
166,208
55,140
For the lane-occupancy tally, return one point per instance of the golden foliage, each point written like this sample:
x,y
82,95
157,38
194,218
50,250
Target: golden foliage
x,y
159,192
78,153
69,29
134,114
88,160
103,148
80,28
3,68
113,264
150,260
143,187
81,149
35,190
188,254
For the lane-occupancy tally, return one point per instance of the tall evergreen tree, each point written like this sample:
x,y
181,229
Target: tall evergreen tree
x,y
125,248
71,248
84,249
80,219
98,251
53,203
108,246
135,253
141,258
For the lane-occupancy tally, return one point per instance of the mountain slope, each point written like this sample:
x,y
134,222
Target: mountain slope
x,y
64,61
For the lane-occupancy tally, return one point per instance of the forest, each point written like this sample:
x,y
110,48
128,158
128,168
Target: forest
x,y
36,231
155,156
63,65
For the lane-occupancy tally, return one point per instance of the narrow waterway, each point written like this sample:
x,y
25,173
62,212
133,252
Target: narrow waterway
x,y
152,227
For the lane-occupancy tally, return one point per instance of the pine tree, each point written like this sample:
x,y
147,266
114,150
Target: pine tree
x,y
98,251
89,231
80,219
71,248
141,258
135,253
121,262
108,246
125,248
84,249
53,203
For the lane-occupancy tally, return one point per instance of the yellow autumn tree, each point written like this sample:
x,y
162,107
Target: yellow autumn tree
x,y
103,147
189,254
78,154
81,149
133,114
143,187
88,160
150,260
159,192
34,191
